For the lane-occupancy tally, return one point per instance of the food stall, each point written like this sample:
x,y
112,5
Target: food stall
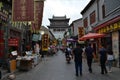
x,y
28,61
24,63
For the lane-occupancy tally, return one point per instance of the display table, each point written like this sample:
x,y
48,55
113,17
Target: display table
x,y
25,64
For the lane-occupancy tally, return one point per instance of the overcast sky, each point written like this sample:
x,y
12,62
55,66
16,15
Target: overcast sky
x,y
70,8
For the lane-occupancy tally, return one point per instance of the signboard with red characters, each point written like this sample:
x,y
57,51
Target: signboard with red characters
x,y
13,42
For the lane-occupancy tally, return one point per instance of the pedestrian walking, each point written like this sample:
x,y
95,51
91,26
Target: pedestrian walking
x,y
89,52
37,48
77,55
103,59
110,59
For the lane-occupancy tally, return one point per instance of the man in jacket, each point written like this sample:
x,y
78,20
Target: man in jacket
x,y
77,53
89,51
103,58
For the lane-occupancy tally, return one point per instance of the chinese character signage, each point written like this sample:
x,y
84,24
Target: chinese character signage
x,y
80,32
45,42
13,42
109,28
23,10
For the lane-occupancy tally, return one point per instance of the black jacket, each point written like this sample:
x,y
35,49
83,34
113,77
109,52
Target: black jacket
x,y
77,54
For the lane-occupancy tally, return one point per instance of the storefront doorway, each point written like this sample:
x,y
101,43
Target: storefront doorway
x,y
107,41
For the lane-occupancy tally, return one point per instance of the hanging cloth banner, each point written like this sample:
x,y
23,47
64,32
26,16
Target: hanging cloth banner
x,y
38,10
23,10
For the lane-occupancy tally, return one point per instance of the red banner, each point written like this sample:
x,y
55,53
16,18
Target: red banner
x,y
2,47
38,14
23,10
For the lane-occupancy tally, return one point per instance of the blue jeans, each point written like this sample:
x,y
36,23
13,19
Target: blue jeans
x,y
89,63
78,67
110,62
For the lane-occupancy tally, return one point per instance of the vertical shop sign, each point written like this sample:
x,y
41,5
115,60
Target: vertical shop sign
x,y
80,32
38,14
23,10
45,42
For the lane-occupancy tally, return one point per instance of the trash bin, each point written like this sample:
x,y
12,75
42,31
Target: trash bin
x,y
13,65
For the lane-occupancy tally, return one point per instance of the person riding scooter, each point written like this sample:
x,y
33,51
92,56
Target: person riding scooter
x,y
68,54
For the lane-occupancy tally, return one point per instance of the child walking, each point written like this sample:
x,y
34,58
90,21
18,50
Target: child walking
x,y
110,58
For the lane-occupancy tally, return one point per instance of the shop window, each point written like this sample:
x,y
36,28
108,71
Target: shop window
x,y
107,42
103,11
92,17
85,21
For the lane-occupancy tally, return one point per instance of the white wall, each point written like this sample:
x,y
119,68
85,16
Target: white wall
x,y
87,14
77,23
58,34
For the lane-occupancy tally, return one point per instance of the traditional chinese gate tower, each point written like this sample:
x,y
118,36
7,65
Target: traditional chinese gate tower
x,y
58,26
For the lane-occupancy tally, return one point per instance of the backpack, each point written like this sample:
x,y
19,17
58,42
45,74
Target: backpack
x,y
66,51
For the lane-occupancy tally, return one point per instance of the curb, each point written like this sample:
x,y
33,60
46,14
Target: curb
x,y
5,76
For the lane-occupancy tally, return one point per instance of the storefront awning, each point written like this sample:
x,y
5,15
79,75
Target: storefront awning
x,y
111,21
91,36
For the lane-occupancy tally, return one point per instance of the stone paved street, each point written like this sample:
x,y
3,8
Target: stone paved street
x,y
56,68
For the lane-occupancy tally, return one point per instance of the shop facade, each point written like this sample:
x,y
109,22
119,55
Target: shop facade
x,y
14,40
4,17
112,39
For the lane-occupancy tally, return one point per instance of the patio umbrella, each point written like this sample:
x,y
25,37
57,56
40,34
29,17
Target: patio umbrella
x,y
91,36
